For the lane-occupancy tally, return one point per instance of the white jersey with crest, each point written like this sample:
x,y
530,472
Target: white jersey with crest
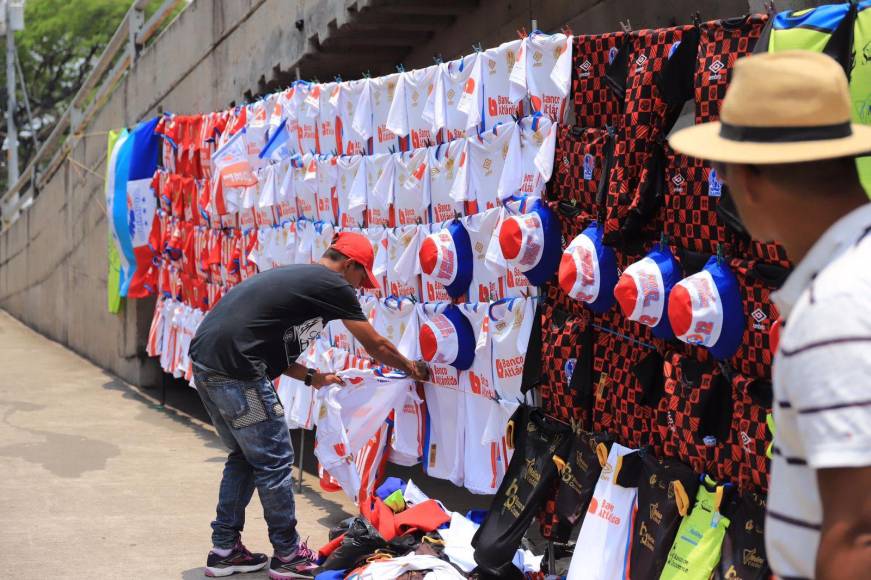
x,y
606,532
403,267
496,66
379,188
326,189
537,149
409,430
455,107
406,116
543,72
488,284
493,166
377,236
372,112
510,326
328,116
306,116
305,186
352,142
444,166
411,187
351,190
484,460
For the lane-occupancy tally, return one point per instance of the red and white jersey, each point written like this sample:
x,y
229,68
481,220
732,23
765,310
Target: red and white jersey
x,y
351,141
328,118
368,304
379,188
283,252
285,195
510,326
321,240
391,318
256,130
304,96
543,72
305,186
377,236
406,116
411,187
351,190
496,66
327,200
403,267
493,168
267,187
445,162
340,336
488,283
606,533
456,100
484,459
409,430
155,331
349,416
305,235
370,118
537,149
280,112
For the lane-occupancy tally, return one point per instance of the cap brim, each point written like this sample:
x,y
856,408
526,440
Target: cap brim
x,y
704,142
370,281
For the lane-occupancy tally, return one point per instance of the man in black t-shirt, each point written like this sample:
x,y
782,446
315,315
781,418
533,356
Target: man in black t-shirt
x,y
253,335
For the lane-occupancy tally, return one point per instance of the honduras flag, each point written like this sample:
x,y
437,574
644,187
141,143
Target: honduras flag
x,y
277,149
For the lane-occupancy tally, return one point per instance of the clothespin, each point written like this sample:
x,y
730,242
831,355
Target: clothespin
x,y
720,255
770,8
338,78
626,26
418,220
400,68
477,47
697,19
367,75
663,240
521,32
438,59
457,215
567,30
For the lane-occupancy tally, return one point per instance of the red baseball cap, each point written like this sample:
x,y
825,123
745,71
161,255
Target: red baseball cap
x,y
357,247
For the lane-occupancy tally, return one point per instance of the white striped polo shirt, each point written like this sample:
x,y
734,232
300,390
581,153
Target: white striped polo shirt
x,y
822,387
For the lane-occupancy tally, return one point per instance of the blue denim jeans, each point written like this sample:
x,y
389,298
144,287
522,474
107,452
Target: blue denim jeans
x,y
249,419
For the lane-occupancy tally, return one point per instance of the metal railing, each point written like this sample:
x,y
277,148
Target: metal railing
x,y
119,55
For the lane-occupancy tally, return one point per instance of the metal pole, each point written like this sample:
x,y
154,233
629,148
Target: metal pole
x,y
11,133
301,452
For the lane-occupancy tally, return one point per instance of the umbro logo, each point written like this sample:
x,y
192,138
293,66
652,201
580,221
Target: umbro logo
x,y
586,65
677,180
642,58
716,66
758,315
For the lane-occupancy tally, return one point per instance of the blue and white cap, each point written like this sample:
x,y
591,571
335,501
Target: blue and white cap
x,y
644,288
448,338
588,269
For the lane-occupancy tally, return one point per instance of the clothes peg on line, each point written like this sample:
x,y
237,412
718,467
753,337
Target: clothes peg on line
x,y
521,32
400,68
477,47
626,26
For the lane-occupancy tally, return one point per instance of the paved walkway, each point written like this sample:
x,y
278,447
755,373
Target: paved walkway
x,y
98,482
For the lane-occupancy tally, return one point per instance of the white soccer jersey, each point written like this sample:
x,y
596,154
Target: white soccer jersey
x,y
285,194
379,188
409,430
403,267
456,106
493,168
306,117
444,166
285,245
256,130
340,336
543,72
352,142
372,112
321,240
391,318
349,416
606,532
327,202
305,236
487,285
510,326
537,150
305,186
351,190
496,66
484,464
328,116
377,236
406,116
411,187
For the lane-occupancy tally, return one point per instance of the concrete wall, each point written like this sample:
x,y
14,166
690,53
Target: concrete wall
x,y
53,259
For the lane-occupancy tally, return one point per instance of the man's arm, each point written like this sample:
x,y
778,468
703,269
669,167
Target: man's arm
x,y
298,372
383,350
845,538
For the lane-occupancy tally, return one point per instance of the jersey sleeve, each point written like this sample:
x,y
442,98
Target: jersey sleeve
x,y
675,82
828,380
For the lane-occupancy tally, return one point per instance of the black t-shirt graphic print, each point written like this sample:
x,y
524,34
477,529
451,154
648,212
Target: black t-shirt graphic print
x,y
263,324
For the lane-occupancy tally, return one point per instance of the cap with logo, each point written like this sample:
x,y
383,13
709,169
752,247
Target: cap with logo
x,y
448,338
588,269
705,309
644,288
531,242
446,256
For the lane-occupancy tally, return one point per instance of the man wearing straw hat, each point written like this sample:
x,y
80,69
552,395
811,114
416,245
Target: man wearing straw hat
x,y
785,147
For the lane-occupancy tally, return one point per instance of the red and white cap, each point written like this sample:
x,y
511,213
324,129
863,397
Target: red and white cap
x,y
446,256
448,338
588,270
644,288
531,242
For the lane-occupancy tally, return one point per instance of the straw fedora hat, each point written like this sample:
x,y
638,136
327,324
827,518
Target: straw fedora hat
x,y
785,107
